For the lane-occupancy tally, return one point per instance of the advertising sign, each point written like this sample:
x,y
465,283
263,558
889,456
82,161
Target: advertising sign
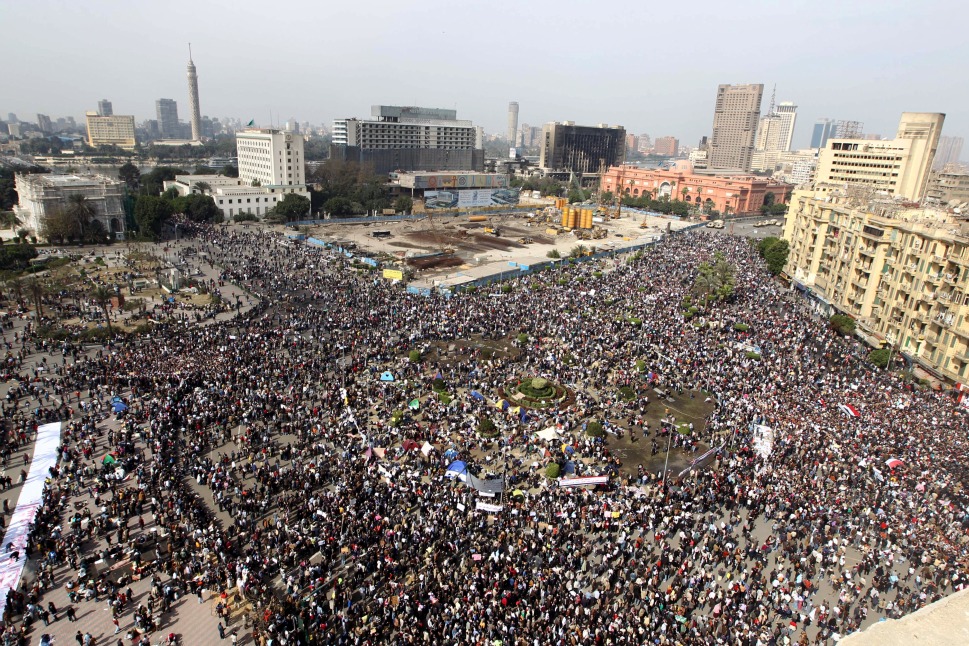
x,y
393,274
470,198
583,481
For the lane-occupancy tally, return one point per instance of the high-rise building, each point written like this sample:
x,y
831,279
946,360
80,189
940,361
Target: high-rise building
x,y
644,142
581,149
666,146
166,110
104,108
949,151
193,98
735,120
410,138
847,129
271,157
43,122
899,167
774,134
338,137
12,118
823,130
115,130
787,113
512,121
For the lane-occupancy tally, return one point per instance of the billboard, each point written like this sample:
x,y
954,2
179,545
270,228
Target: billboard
x,y
393,274
470,198
445,181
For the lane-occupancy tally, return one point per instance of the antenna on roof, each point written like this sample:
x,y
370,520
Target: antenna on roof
x,y
190,52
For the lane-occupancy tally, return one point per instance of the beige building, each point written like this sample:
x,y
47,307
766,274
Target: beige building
x,y
950,186
113,130
901,272
736,116
41,195
897,167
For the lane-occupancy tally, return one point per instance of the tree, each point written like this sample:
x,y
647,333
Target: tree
x,y
130,175
880,357
842,324
36,290
293,207
230,171
198,208
153,183
338,206
202,187
774,251
403,204
203,170
151,212
102,296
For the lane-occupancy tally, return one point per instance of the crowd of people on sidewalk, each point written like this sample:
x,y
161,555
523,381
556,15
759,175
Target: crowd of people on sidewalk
x,y
250,470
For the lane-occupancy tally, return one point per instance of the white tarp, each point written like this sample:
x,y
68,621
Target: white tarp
x,y
31,495
549,433
763,440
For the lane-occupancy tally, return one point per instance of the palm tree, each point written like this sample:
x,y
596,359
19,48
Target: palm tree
x,y
79,215
18,289
36,290
707,283
102,296
202,186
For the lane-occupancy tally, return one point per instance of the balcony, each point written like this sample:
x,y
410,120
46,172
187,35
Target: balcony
x,y
933,278
866,251
896,244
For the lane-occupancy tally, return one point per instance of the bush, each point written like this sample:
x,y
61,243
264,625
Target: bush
x,y
554,253
396,418
880,357
627,393
438,385
640,365
537,388
245,217
472,289
753,355
552,471
53,333
523,338
487,428
143,328
741,327
842,324
444,397
506,289
594,429
415,356
635,321
96,334
597,274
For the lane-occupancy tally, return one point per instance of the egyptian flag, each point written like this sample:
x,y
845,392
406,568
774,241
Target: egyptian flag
x,y
849,410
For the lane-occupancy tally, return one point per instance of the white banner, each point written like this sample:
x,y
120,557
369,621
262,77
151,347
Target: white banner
x,y
31,495
763,440
584,481
484,506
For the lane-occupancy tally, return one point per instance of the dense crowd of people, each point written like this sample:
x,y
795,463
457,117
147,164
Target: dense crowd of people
x,y
270,459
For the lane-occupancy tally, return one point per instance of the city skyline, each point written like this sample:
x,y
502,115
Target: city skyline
x,y
835,64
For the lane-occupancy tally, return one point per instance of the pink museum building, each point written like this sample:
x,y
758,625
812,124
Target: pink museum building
x,y
727,193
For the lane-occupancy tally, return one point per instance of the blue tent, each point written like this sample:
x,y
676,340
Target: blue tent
x,y
569,468
477,395
386,376
119,407
450,454
457,469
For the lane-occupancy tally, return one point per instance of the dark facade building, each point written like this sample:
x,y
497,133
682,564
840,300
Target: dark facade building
x,y
581,149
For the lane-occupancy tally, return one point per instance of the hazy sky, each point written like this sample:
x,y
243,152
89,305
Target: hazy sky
x,y
651,67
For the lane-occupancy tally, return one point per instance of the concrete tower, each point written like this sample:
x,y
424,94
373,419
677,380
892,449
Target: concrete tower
x,y
512,123
193,98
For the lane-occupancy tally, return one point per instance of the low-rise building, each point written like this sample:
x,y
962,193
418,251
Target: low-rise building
x,y
950,186
234,196
900,270
727,193
42,195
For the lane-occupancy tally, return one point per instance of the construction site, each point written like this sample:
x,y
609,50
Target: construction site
x,y
451,249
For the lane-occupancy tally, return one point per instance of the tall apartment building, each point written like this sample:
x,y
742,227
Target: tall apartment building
x,y
41,194
166,110
44,123
949,151
338,136
899,167
114,130
512,121
666,146
104,108
823,130
411,138
271,157
774,134
902,273
735,120
581,149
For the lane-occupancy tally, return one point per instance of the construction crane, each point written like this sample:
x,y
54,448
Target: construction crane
x,y
618,196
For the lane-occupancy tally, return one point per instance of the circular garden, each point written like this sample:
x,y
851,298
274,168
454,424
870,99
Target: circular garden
x,y
536,392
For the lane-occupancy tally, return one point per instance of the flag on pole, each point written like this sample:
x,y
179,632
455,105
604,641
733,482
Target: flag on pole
x,y
849,410
252,122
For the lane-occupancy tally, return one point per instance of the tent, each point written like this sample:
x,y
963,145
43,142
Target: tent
x,y
109,459
415,404
569,468
450,454
457,469
386,376
518,493
410,445
119,407
549,433
502,404
476,395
